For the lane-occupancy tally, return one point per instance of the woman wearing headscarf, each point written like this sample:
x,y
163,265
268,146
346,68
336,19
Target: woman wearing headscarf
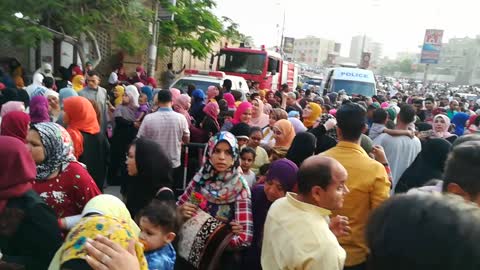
x,y
182,105
75,70
460,121
78,83
64,184
303,146
268,134
219,190
29,235
198,104
91,146
39,110
15,124
124,133
104,215
175,93
297,124
281,178
283,133
118,92
259,118
230,99
243,114
150,170
12,106
147,90
441,125
210,122
212,93
37,81
428,165
311,113
64,94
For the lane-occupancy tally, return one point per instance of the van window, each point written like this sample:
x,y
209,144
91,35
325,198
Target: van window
x,y
273,65
354,87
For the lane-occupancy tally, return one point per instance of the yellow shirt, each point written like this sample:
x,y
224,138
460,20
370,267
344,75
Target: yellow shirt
x,y
261,158
369,187
297,236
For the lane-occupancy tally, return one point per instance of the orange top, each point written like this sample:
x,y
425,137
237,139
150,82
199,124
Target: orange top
x,y
81,117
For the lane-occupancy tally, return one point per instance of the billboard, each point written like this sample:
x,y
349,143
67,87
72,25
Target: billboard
x,y
288,44
366,56
432,45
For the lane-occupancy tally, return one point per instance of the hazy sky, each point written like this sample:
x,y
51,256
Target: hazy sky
x,y
398,24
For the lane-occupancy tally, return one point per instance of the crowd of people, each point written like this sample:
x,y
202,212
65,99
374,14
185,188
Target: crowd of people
x,y
288,179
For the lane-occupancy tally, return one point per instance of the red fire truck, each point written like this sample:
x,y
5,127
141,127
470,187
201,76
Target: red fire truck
x,y
259,65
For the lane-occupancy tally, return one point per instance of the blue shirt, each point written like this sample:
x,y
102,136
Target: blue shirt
x,y
161,259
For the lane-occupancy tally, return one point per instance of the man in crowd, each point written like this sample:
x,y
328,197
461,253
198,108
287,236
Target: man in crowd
x,y
368,182
94,91
429,107
297,234
168,128
169,75
285,88
453,109
401,151
292,104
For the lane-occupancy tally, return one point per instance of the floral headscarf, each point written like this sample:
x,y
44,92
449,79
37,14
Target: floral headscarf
x,y
225,187
58,148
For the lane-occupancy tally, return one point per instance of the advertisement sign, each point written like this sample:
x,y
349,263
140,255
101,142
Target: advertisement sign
x,y
366,56
288,44
432,45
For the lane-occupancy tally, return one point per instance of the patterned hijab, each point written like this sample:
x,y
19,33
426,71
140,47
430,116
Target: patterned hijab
x,y
225,187
58,148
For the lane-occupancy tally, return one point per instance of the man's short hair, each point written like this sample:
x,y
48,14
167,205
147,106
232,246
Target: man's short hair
x,y
313,175
164,96
379,116
351,121
48,82
291,95
92,73
463,167
430,99
407,114
284,86
227,83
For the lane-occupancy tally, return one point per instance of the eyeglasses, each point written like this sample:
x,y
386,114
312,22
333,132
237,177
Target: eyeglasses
x,y
277,132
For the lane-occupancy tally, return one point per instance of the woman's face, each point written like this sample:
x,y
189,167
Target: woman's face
x,y
255,107
307,111
35,145
246,116
439,124
131,162
273,190
272,120
255,139
115,93
278,134
125,99
53,103
222,157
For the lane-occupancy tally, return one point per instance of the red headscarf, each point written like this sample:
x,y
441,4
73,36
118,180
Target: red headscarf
x,y
76,70
18,170
82,117
15,124
151,81
240,110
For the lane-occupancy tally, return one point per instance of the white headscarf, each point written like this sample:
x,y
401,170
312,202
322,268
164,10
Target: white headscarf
x,y
132,92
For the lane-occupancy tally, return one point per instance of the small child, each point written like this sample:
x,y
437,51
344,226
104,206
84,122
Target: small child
x,y
247,158
143,108
380,118
159,224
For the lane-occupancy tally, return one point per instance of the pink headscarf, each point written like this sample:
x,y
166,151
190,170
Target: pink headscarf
x,y
175,93
240,110
385,105
12,106
444,133
212,110
260,120
212,92
230,99
181,105
139,86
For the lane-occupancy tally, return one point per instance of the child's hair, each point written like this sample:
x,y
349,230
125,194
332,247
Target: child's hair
x,y
263,170
247,150
229,114
142,95
254,130
380,116
163,214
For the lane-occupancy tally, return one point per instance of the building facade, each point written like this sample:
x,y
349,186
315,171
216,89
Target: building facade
x,y
363,43
313,51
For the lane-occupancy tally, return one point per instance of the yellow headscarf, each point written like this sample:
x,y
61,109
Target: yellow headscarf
x,y
316,112
120,90
77,82
109,206
114,229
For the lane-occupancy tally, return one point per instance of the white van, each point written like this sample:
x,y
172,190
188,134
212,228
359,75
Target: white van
x,y
354,81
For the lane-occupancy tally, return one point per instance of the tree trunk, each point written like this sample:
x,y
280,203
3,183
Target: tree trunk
x,y
81,53
98,53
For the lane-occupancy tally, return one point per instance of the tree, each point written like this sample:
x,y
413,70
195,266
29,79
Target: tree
x,y
76,22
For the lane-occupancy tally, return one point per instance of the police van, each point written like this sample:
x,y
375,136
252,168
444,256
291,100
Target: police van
x,y
355,81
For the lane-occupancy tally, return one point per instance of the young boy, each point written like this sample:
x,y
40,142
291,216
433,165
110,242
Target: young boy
x,y
380,118
159,224
247,158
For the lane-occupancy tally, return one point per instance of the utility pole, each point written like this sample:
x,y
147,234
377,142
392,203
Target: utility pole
x,y
283,32
152,48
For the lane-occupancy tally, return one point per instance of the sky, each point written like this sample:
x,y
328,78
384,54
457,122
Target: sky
x,y
398,24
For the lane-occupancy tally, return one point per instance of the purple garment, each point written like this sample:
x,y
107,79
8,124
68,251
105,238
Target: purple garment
x,y
39,110
142,109
285,171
